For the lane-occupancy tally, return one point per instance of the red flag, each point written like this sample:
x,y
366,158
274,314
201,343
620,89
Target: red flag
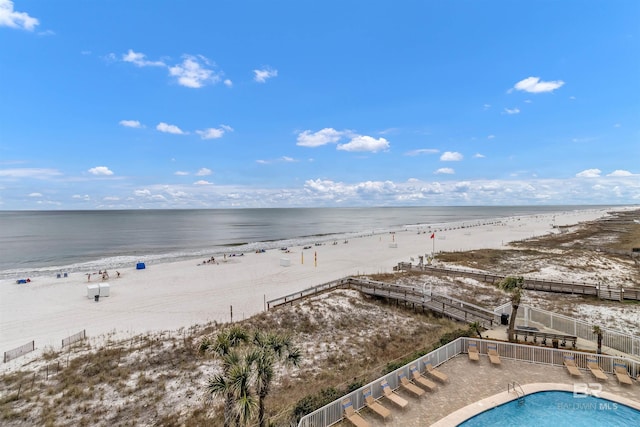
x,y
433,235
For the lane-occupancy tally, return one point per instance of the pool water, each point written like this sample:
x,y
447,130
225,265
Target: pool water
x,y
557,408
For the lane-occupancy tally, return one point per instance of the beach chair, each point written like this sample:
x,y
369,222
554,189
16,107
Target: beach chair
x,y
492,351
596,370
420,379
351,415
620,369
474,354
570,363
395,398
409,386
372,404
440,376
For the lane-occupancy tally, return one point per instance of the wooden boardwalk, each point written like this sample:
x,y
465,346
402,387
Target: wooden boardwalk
x,y
599,290
416,297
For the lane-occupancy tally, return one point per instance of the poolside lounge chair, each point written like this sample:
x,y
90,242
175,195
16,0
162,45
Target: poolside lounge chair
x,y
409,386
620,369
474,354
392,396
351,415
421,379
570,363
440,376
596,370
373,404
492,351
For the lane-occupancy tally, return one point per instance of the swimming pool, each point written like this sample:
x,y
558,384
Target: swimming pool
x,y
557,408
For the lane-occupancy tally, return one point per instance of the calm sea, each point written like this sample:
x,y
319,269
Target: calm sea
x,y
35,243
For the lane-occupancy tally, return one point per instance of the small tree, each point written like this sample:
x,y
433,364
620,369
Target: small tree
x,y
223,347
271,349
476,328
513,285
598,331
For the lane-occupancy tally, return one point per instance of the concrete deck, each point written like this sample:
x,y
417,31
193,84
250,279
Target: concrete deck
x,y
471,382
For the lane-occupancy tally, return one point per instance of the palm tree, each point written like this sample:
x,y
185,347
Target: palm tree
x,y
235,383
598,331
271,349
223,347
514,286
516,296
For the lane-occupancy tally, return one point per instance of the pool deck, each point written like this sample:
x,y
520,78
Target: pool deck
x,y
476,386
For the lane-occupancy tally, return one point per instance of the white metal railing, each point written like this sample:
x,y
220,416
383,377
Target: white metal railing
x,y
621,341
332,413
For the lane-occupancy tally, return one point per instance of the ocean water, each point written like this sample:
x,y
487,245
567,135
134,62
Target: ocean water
x,y
36,243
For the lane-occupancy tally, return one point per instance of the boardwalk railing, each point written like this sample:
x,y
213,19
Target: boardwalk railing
x,y
600,290
332,413
426,299
315,290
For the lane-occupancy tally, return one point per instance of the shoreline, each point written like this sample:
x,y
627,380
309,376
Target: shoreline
x,y
176,294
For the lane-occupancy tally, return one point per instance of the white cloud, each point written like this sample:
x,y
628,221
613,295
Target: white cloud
x,y
167,128
479,156
214,133
421,151
322,137
111,198
228,83
19,20
84,197
181,173
193,72
447,171
138,59
365,143
130,123
261,76
620,172
100,170
491,136
35,173
288,159
535,85
142,193
35,194
202,182
512,110
589,173
486,106
451,156
204,172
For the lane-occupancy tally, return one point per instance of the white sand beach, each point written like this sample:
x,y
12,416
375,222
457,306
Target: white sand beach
x,y
173,295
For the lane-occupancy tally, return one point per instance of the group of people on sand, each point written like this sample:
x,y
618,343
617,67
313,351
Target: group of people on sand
x,y
104,274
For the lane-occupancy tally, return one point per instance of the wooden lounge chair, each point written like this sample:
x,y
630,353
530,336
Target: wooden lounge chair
x,y
420,379
409,386
596,370
474,354
373,404
440,376
570,363
494,357
351,415
620,369
392,396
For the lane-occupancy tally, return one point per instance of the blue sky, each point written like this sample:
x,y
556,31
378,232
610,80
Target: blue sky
x,y
202,104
